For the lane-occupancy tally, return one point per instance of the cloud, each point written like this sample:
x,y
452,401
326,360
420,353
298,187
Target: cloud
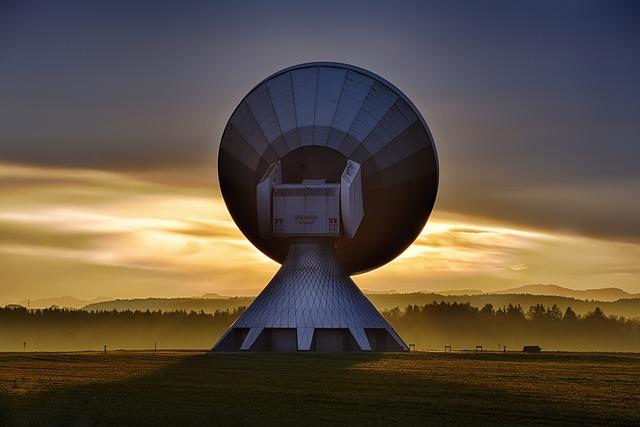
x,y
599,209
145,235
89,233
209,229
28,234
534,108
490,256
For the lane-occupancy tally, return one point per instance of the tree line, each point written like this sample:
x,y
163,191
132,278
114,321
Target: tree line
x,y
55,329
464,326
429,326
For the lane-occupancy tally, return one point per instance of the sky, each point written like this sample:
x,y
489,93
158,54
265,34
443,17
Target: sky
x,y
111,114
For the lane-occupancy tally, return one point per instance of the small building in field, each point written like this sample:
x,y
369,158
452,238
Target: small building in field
x,y
531,349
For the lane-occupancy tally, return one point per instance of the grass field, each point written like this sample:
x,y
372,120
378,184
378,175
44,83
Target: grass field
x,y
195,388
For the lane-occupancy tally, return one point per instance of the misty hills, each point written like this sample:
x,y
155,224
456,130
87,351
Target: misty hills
x,y
76,303
208,305
628,307
601,294
63,302
613,301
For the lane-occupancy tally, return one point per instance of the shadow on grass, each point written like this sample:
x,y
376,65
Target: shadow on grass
x,y
277,389
5,419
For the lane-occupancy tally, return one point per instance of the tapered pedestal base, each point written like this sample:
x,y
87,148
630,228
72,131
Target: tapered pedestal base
x,y
311,304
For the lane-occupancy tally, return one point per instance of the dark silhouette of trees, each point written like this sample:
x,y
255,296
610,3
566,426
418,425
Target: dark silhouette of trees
x,y
61,329
569,315
462,325
554,313
488,310
536,312
432,325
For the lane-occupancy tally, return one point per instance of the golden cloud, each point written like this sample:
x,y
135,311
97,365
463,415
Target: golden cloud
x,y
89,233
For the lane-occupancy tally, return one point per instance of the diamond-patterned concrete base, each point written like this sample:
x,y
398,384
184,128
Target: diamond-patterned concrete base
x,y
313,296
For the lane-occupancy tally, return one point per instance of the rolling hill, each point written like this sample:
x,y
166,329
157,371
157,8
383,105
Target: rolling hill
x,y
628,307
208,305
62,302
601,294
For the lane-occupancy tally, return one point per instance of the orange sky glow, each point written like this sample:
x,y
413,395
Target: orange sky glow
x,y
88,233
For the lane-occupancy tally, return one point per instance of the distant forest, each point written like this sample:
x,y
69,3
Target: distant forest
x,y
463,326
629,308
73,330
428,326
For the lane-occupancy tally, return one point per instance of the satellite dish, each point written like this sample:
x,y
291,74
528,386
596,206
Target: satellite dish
x,y
328,155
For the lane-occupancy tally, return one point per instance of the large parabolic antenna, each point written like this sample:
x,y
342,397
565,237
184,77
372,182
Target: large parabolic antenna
x,y
331,171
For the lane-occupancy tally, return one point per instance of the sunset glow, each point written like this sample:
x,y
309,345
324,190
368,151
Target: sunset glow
x,y
90,233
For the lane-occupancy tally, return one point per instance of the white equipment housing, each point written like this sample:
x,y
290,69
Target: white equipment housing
x,y
308,209
312,208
